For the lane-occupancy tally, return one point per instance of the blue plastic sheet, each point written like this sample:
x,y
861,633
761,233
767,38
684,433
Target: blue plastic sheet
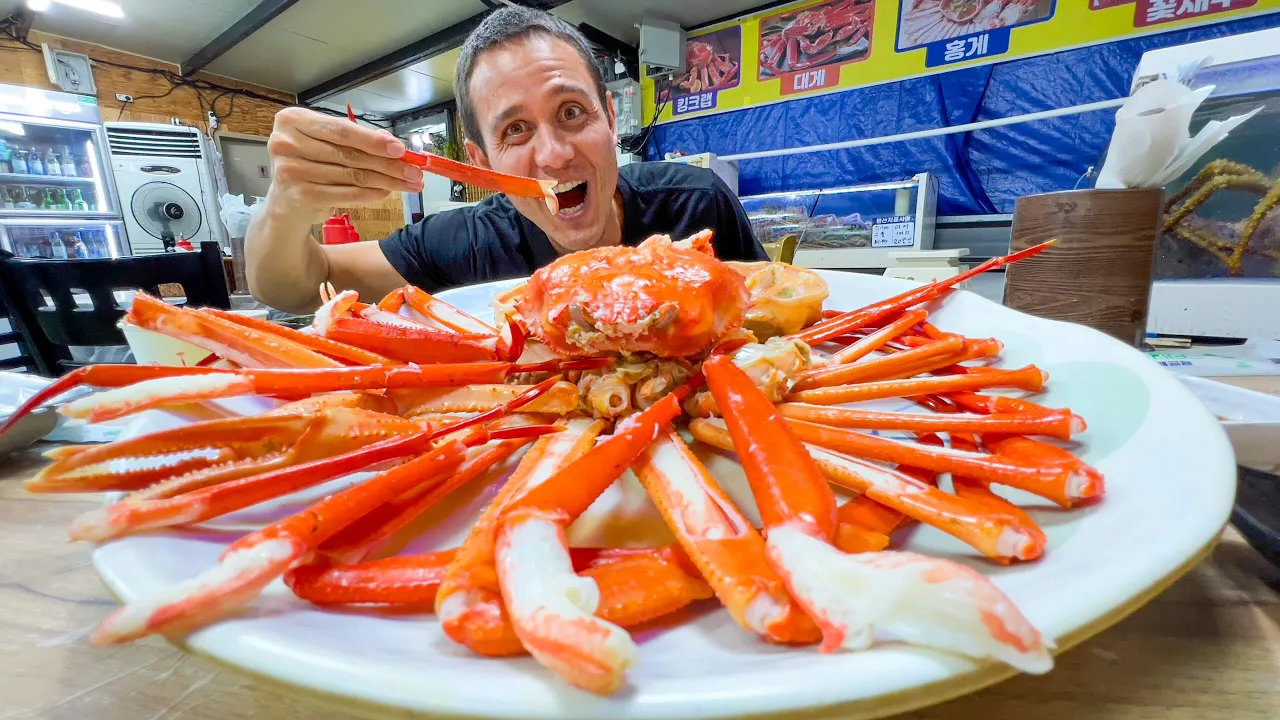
x,y
979,172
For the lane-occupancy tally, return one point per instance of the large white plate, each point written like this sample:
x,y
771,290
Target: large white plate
x,y
1170,482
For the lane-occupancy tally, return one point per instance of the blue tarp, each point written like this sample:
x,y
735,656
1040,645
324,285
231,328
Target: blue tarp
x,y
979,172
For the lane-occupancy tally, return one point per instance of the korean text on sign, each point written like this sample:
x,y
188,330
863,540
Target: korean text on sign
x,y
893,231
1156,12
973,47
694,102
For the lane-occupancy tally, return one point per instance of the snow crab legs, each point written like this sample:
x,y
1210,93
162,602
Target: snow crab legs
x,y
601,356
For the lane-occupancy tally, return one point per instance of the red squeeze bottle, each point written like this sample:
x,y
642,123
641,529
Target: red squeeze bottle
x,y
338,230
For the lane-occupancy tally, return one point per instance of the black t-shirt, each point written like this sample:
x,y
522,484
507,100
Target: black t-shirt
x,y
493,241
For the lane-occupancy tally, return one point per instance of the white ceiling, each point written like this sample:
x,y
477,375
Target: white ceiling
x,y
316,40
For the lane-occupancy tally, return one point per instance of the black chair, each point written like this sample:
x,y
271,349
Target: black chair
x,y
25,359
48,329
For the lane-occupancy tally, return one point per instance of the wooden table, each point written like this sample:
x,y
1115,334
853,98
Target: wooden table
x,y
1208,647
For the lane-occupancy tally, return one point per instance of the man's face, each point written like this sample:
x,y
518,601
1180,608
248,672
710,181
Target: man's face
x,y
541,117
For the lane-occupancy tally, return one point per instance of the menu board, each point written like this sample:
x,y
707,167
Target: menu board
x,y
812,47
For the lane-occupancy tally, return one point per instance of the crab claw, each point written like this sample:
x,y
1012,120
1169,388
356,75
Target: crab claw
x,y
857,599
386,333
216,451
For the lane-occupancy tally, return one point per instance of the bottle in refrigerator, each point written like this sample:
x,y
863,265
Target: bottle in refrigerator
x,y
82,250
26,198
68,162
83,168
77,200
98,243
60,201
20,162
59,249
6,162
51,164
35,164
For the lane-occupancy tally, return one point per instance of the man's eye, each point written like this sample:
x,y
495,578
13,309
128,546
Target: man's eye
x,y
572,112
514,129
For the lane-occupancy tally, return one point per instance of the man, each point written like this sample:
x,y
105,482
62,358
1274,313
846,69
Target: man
x,y
532,102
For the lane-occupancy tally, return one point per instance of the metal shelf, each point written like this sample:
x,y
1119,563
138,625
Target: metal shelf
x,y
44,179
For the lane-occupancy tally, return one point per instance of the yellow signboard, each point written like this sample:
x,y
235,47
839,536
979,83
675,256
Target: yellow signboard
x,y
819,46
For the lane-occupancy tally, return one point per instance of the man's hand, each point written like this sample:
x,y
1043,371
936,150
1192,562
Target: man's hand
x,y
320,161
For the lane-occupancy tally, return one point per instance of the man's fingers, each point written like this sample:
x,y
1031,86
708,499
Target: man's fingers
x,y
340,195
341,131
295,171
297,145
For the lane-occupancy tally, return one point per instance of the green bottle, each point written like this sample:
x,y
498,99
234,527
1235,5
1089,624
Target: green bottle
x,y
77,200
60,201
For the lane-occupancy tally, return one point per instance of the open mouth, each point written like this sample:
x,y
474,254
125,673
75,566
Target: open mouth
x,y
571,196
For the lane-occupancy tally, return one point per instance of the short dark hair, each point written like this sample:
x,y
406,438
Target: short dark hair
x,y
503,26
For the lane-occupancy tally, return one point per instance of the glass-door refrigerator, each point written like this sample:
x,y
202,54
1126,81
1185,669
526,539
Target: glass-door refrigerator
x,y
57,196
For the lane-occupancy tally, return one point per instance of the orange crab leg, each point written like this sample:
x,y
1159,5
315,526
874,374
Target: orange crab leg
x,y
237,343
1060,424
720,541
209,502
996,535
854,596
999,404
1054,478
409,340
216,451
561,399
434,309
355,542
257,559
322,345
978,491
876,369
473,175
1030,378
99,376
140,389
551,609
876,312
1091,484
419,344
636,585
877,339
470,600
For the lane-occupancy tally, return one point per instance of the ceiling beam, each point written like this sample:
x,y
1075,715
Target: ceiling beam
x,y
428,47
254,20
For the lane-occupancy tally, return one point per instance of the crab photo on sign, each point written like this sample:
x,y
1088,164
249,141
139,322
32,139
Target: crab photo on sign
x,y
713,62
922,22
805,47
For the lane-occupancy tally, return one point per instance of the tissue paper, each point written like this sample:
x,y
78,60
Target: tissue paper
x,y
236,214
1152,144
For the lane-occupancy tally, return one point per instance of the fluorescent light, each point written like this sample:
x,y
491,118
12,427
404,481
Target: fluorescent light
x,y
101,7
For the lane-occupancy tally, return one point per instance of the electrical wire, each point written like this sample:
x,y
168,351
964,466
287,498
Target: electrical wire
x,y
634,146
176,81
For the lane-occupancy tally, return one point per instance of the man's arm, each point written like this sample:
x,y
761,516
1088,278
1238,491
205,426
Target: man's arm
x,y
320,162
